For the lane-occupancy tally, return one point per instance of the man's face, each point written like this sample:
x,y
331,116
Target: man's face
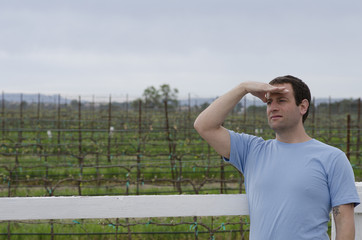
x,y
282,111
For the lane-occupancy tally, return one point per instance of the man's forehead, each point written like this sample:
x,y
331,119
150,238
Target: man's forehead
x,y
286,85
270,95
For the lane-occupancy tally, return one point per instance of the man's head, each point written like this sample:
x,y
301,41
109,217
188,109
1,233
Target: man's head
x,y
300,89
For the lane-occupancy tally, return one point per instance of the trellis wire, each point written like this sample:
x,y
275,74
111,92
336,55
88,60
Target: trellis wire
x,y
103,149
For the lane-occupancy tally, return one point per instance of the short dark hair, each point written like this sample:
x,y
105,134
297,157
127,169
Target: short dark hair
x,y
300,89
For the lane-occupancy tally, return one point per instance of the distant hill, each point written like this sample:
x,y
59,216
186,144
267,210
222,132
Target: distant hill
x,y
33,98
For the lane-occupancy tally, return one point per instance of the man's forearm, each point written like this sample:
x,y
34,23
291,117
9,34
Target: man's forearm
x,y
347,234
214,115
344,222
209,123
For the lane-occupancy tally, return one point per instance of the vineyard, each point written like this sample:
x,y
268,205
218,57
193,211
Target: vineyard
x,y
90,148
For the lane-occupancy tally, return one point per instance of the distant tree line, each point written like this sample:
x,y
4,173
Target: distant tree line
x,y
155,98
343,106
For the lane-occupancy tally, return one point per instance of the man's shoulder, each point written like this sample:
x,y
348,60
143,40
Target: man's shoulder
x,y
327,154
321,146
246,137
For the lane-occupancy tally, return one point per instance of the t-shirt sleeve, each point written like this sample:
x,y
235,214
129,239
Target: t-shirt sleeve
x,y
240,145
341,182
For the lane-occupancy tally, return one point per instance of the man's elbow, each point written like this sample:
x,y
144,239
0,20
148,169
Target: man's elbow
x,y
203,129
199,127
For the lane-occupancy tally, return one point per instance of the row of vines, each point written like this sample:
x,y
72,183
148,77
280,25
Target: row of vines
x,y
90,148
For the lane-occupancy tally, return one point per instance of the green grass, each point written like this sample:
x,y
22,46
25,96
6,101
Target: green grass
x,y
130,162
155,228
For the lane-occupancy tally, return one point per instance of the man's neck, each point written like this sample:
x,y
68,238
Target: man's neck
x,y
297,135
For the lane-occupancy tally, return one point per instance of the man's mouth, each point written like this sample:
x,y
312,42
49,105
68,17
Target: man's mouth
x,y
275,117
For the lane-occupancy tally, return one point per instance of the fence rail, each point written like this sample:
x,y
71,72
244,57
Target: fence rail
x,y
37,208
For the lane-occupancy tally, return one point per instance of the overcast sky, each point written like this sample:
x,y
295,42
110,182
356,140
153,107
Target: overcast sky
x,y
201,47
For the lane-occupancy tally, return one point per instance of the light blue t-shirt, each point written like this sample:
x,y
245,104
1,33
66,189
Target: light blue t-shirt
x,y
291,188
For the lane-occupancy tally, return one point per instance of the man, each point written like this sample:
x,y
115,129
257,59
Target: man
x,y
293,181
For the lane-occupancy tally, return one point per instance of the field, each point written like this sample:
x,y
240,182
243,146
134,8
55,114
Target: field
x,y
89,148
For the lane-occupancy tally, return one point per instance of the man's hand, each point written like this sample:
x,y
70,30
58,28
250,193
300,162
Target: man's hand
x,y
261,90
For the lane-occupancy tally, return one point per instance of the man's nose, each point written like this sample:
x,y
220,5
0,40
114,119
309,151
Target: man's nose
x,y
273,106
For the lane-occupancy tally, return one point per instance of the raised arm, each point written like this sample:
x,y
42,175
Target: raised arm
x,y
209,123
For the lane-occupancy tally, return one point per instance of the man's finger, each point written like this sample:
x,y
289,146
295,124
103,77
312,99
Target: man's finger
x,y
279,90
276,90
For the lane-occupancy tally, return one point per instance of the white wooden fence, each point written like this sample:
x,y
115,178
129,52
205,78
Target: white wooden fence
x,y
36,208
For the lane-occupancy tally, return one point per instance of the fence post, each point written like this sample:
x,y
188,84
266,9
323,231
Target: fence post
x,y
21,123
222,176
244,111
189,124
127,106
59,147
80,150
254,115
242,228
170,144
9,230
358,132
18,145
97,170
329,118
196,228
51,229
139,145
129,229
117,228
348,136
38,119
109,129
207,174
3,115
313,117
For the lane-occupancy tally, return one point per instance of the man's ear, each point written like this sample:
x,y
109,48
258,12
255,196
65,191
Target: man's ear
x,y
304,106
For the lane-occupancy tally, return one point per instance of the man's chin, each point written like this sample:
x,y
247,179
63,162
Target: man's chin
x,y
274,127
